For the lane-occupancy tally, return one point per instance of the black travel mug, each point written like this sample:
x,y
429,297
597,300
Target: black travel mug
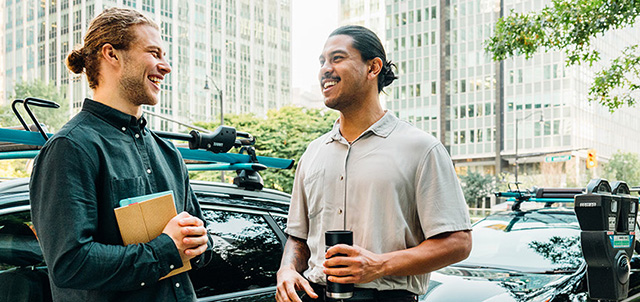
x,y
338,290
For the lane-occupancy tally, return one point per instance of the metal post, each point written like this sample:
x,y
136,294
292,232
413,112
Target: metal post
x,y
516,156
221,108
206,87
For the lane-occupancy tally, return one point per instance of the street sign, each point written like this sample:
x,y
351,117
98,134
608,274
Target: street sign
x,y
558,158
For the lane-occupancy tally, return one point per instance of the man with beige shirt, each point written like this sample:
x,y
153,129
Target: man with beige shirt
x,y
390,183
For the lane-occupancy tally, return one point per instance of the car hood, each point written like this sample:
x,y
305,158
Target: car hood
x,y
487,285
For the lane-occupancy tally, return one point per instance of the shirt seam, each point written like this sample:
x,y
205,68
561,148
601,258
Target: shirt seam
x,y
75,142
423,160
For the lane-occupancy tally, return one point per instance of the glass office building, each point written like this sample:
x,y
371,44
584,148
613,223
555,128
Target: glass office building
x,y
240,47
449,87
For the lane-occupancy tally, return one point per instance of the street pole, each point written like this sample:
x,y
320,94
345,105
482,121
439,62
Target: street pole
x,y
221,106
206,87
516,160
516,154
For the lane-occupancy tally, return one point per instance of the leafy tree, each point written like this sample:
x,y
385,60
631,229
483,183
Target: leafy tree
x,y
53,118
476,185
285,133
623,166
571,26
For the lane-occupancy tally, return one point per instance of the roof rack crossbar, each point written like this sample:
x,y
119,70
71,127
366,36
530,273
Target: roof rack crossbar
x,y
21,137
19,154
546,195
35,139
234,158
226,167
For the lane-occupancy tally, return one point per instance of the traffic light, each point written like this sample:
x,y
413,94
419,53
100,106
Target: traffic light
x,y
592,162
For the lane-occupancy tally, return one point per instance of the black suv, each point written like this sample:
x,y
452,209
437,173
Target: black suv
x,y
246,227
244,220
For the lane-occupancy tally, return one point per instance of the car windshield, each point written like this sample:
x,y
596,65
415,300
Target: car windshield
x,y
544,241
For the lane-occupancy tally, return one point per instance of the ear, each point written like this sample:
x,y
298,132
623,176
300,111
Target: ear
x,y
375,66
110,55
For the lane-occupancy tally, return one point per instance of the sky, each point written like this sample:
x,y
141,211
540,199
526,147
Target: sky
x,y
312,22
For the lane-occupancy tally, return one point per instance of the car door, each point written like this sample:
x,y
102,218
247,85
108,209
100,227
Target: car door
x,y
247,247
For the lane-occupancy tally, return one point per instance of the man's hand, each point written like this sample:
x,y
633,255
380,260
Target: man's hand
x,y
188,234
289,280
359,265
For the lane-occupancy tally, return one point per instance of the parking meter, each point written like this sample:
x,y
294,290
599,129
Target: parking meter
x,y
607,222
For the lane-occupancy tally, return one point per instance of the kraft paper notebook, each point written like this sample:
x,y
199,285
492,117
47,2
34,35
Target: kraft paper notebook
x,y
143,218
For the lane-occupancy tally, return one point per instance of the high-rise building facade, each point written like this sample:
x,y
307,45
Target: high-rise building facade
x,y
238,49
449,87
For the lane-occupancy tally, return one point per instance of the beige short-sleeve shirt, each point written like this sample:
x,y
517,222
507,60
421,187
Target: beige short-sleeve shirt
x,y
394,187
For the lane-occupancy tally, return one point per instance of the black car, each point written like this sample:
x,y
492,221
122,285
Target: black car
x,y
246,226
245,221
524,255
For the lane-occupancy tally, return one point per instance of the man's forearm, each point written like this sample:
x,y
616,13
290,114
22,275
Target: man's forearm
x,y
432,254
296,254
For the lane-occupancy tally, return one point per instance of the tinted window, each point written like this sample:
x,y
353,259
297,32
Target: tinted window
x,y
18,244
23,276
246,254
281,221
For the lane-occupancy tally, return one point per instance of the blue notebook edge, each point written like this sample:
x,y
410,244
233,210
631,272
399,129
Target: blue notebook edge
x,y
133,200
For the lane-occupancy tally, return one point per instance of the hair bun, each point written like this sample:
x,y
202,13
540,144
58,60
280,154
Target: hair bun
x,y
75,61
388,76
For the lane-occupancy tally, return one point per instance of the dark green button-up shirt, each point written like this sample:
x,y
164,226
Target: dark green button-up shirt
x,y
98,158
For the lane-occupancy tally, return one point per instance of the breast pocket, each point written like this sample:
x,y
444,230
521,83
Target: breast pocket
x,y
314,191
126,188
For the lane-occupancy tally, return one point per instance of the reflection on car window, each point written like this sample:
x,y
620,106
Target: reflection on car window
x,y
18,243
535,242
23,276
246,254
281,221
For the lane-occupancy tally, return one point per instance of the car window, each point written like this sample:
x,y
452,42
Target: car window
x,y
23,276
281,221
246,254
18,243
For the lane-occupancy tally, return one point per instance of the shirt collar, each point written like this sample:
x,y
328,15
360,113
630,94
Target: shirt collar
x,y
114,117
382,128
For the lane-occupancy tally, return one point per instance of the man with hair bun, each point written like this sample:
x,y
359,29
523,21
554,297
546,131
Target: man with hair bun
x,y
103,155
390,183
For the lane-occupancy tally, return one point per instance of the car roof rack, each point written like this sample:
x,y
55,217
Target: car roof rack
x,y
549,196
209,149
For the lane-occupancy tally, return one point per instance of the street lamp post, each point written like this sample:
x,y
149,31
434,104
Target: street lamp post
x,y
206,87
516,155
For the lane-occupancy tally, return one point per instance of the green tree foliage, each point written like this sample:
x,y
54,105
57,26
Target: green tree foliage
x,y
570,26
285,133
53,118
476,185
623,166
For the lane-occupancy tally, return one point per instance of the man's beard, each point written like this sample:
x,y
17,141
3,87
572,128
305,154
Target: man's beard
x,y
135,90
